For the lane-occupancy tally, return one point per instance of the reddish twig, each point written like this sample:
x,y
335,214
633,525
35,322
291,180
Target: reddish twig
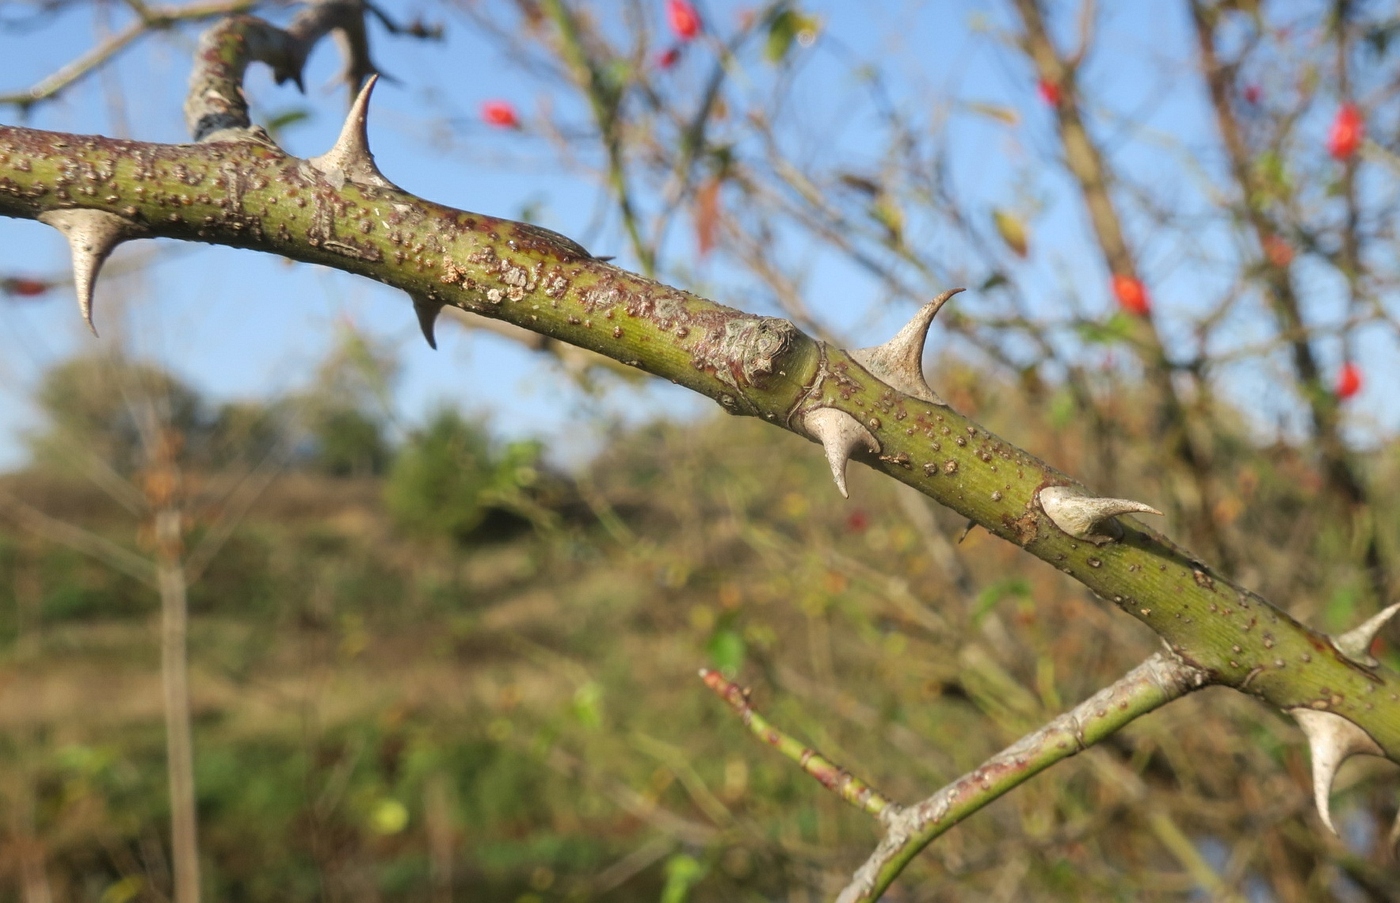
x,y
830,775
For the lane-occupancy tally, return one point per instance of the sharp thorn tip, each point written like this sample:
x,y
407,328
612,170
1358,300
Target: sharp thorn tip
x,y
350,157
427,310
840,435
899,363
92,236
1355,644
1332,740
1082,515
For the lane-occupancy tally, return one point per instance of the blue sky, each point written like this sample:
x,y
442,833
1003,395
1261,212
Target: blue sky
x,y
237,324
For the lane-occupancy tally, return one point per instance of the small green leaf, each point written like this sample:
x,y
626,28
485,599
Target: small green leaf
x,y
389,816
1116,328
1341,613
1012,231
726,650
1017,587
995,280
1062,409
788,26
885,212
278,123
1271,178
128,888
683,872
588,705
782,31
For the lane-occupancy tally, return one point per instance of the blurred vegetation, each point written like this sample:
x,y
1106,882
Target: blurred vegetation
x,y
428,666
446,479
467,677
96,404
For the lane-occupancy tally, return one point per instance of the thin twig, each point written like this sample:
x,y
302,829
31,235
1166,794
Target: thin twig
x,y
78,539
827,773
1159,680
605,101
150,20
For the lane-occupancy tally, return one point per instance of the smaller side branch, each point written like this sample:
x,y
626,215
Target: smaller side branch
x,y
151,19
215,105
78,539
605,99
830,775
1157,681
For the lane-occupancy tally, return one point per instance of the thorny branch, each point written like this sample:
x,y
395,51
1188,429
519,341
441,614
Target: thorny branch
x,y
238,188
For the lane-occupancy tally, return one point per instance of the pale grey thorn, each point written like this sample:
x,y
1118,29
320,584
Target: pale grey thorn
x,y
349,159
840,435
427,310
1332,740
899,363
92,235
1355,644
1086,517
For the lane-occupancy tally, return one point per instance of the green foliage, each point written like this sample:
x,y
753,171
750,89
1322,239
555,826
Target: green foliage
x,y
447,476
105,408
279,122
683,871
366,700
1117,328
1014,587
346,409
247,432
103,405
348,443
786,26
726,650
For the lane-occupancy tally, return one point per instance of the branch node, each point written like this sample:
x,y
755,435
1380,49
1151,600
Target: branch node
x,y
840,435
92,235
899,363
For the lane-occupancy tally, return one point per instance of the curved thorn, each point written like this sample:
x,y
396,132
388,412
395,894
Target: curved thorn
x,y
1082,515
1332,740
427,310
92,235
349,159
1355,644
840,434
899,363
